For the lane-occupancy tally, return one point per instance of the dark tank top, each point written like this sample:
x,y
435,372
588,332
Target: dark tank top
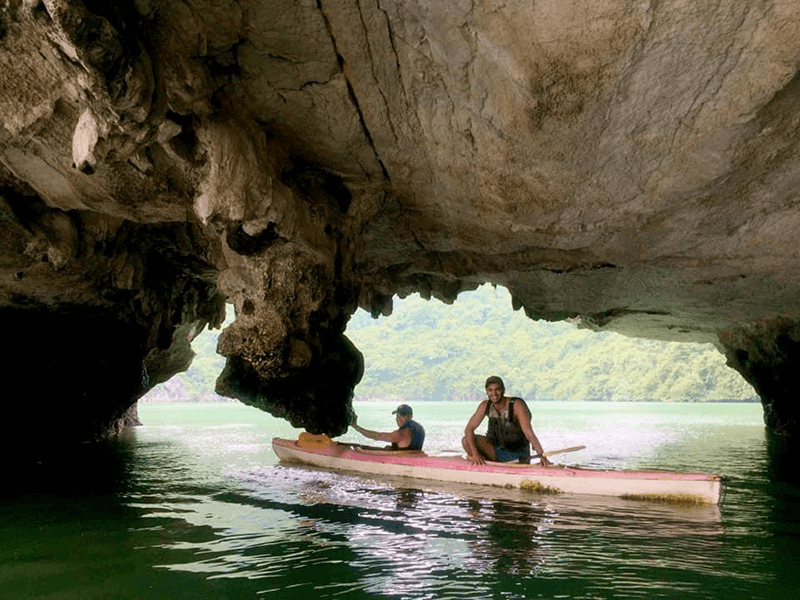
x,y
504,430
417,436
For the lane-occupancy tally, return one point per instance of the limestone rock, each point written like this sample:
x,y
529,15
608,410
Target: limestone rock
x,y
631,164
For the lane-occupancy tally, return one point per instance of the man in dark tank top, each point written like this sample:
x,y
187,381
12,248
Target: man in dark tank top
x,y
510,434
409,434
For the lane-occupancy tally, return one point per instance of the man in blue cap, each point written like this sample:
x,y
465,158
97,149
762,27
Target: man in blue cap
x,y
409,434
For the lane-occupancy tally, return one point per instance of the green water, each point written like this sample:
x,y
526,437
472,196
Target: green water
x,y
194,505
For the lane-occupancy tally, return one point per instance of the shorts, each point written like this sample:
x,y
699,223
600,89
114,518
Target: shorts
x,y
503,455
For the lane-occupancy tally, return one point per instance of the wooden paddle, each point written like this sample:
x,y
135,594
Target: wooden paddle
x,y
551,452
562,451
514,463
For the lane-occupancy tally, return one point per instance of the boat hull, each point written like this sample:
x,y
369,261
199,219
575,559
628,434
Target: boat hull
x,y
668,486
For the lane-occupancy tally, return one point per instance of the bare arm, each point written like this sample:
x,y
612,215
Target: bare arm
x,y
400,437
469,434
523,415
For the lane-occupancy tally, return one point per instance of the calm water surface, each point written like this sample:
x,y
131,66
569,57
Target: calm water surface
x,y
195,505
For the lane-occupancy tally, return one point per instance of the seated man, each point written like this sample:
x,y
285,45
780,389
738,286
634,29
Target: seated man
x,y
408,436
510,435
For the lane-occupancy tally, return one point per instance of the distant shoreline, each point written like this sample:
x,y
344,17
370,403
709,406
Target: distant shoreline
x,y
149,399
533,401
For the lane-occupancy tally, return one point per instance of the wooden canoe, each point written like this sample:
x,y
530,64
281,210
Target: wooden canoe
x,y
655,485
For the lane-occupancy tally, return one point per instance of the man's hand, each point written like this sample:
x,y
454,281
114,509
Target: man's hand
x,y
544,462
476,459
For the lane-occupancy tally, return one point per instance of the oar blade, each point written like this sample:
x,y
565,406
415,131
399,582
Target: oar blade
x,y
561,451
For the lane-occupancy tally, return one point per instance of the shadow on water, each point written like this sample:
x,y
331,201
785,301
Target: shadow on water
x,y
73,527
782,453
80,470
63,524
783,482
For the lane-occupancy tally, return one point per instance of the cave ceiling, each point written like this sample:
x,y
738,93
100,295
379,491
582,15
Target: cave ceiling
x,y
632,164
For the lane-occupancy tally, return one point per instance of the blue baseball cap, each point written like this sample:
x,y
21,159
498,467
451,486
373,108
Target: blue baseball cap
x,y
403,409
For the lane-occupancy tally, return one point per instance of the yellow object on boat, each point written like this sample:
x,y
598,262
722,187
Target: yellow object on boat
x,y
311,441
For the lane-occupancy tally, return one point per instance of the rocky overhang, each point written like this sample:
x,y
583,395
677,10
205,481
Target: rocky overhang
x,y
632,164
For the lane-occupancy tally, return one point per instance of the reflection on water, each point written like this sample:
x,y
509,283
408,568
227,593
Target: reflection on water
x,y
458,540
514,540
202,510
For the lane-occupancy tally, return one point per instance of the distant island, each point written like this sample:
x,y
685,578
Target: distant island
x,y
427,350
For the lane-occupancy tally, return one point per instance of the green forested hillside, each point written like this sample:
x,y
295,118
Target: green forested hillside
x,y
427,350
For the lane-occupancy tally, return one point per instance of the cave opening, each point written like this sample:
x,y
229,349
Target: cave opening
x,y
428,350
197,383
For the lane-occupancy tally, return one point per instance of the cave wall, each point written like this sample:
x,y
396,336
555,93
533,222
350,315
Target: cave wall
x,y
633,164
100,310
766,354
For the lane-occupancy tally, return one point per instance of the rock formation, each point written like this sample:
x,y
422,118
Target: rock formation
x,y
633,164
